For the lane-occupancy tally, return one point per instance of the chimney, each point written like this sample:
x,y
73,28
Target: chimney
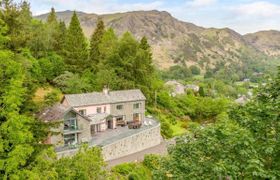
x,y
106,90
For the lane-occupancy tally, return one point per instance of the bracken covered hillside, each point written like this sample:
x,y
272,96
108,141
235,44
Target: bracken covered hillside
x,y
177,42
266,41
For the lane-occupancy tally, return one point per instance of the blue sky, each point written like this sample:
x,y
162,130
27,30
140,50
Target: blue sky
x,y
244,16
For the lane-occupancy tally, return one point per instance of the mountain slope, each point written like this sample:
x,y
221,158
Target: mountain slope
x,y
174,41
266,41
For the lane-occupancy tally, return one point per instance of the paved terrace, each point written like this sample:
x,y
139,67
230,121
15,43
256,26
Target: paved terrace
x,y
112,135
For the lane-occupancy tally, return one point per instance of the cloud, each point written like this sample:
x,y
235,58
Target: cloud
x,y
201,3
94,6
259,8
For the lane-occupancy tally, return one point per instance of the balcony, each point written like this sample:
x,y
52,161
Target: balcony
x,y
72,130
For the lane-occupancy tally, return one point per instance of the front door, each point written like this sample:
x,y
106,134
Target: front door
x,y
110,124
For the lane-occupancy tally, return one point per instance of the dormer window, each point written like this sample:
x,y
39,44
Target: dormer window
x,y
83,112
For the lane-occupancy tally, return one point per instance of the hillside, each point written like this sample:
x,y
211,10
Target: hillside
x,y
266,41
174,41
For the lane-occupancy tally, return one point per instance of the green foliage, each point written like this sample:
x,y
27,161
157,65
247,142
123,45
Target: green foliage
x,y
51,66
177,72
261,118
94,52
75,50
18,145
221,150
243,145
131,171
18,19
152,161
73,83
195,70
52,98
51,19
86,164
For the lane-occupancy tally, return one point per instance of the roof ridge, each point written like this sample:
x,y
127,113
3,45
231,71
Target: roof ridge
x,y
102,92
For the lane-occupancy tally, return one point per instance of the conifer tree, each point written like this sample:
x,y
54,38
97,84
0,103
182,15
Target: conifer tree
x,y
76,54
61,38
94,54
52,17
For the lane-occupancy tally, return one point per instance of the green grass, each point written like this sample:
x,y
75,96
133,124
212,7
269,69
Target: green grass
x,y
177,128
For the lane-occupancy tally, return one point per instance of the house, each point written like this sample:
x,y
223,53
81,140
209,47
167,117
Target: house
x,y
73,128
242,100
192,87
84,115
176,87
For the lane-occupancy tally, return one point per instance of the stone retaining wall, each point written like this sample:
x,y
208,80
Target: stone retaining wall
x,y
132,144
137,142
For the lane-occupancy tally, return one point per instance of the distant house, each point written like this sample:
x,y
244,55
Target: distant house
x,y
176,87
242,100
83,115
193,87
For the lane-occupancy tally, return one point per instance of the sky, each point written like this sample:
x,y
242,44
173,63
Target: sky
x,y
244,16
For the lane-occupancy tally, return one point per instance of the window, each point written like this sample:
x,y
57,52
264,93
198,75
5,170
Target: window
x,y
70,139
83,112
119,107
70,125
136,106
98,110
104,109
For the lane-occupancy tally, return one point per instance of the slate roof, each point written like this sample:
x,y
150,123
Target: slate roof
x,y
54,113
96,98
57,112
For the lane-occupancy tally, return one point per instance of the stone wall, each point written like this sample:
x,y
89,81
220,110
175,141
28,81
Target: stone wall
x,y
137,142
132,144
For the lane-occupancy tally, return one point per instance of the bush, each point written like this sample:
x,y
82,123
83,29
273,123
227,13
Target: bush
x,y
195,70
133,171
52,97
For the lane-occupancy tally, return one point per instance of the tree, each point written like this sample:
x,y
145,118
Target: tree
x,y
3,30
219,151
195,70
76,52
86,164
19,144
51,66
261,118
18,19
61,38
96,37
52,19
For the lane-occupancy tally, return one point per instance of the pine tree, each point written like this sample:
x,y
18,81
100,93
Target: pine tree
x,y
61,38
52,17
76,54
148,54
94,54
18,19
